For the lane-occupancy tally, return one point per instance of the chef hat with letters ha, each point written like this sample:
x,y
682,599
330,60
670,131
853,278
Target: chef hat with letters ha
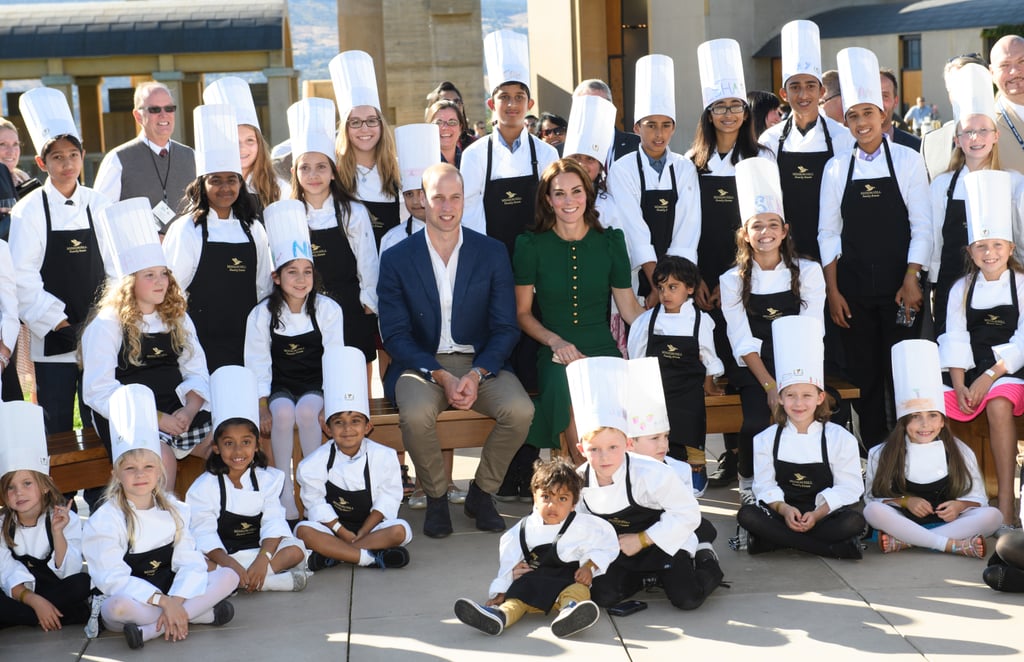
x,y
758,189
971,92
989,209
133,423
22,438
287,232
345,387
799,351
645,398
507,58
127,227
355,81
47,115
859,78
233,394
801,50
216,132
655,92
235,92
311,127
917,377
591,129
419,147
721,71
598,387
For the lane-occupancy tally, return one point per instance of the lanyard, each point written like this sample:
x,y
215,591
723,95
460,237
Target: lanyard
x,y
1006,116
162,180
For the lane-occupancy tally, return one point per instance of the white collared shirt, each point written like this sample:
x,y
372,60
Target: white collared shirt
x,y
677,324
444,277
955,344
33,541
203,499
812,141
347,473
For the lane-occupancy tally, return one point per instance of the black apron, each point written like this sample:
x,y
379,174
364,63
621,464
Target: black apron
x,y
238,531
351,506
153,566
550,576
935,492
800,175
801,483
720,218
42,573
383,217
682,378
875,236
220,296
159,370
72,271
297,361
990,327
659,209
336,263
509,203
762,310
951,259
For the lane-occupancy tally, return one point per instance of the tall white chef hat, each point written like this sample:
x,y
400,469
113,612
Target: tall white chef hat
x,y
801,50
598,388
287,231
917,378
971,92
758,189
591,127
419,147
311,127
655,87
22,438
127,227
799,351
233,394
133,424
355,81
47,115
235,92
645,398
216,132
989,211
721,71
859,77
345,387
507,58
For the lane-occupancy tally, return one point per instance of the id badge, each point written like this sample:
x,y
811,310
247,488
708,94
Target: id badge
x,y
162,215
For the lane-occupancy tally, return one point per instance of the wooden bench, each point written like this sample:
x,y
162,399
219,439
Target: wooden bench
x,y
974,433
726,415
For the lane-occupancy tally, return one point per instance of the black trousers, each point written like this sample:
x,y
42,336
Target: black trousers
x,y
756,417
830,537
70,596
687,583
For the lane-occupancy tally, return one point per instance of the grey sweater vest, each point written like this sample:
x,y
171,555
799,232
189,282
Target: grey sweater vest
x,y
142,171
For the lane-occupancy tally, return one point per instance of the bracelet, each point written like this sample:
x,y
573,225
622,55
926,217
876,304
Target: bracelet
x,y
991,373
24,592
337,525
911,271
903,501
645,540
263,402
768,386
270,557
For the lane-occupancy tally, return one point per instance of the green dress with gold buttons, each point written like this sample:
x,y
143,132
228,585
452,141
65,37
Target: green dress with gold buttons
x,y
572,283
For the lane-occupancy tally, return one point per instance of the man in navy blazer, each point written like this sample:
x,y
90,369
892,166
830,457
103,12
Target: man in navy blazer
x,y
446,299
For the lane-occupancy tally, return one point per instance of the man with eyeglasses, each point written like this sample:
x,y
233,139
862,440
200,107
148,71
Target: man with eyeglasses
x,y
832,99
937,145
151,165
1007,69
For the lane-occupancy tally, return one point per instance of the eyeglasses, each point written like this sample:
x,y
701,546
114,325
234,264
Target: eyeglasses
x,y
451,123
975,133
355,122
557,131
735,109
156,110
828,98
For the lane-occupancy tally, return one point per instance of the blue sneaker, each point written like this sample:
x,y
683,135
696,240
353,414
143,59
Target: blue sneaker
x,y
700,480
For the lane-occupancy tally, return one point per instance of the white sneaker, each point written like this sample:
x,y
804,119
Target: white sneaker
x,y
575,617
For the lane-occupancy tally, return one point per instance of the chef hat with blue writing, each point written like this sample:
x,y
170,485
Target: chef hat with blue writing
x,y
758,189
287,232
721,71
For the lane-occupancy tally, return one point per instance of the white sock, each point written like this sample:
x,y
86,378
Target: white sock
x,y
746,483
366,558
281,581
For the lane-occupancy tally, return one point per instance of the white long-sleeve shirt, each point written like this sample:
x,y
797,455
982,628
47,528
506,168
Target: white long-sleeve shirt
x,y
34,542
588,538
203,499
347,474
843,459
258,334
955,344
398,233
105,543
101,347
812,141
926,463
677,324
9,323
359,232
812,292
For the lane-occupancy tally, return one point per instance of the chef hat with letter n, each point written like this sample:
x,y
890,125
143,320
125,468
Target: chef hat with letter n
x,y
133,424
235,92
758,189
419,147
287,231
655,87
216,132
127,227
507,58
345,387
47,115
22,438
859,78
917,378
801,50
591,127
598,388
799,351
645,398
355,81
311,127
233,395
971,92
989,197
721,71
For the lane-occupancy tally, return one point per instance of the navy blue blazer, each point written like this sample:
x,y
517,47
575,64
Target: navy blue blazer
x,y
483,305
